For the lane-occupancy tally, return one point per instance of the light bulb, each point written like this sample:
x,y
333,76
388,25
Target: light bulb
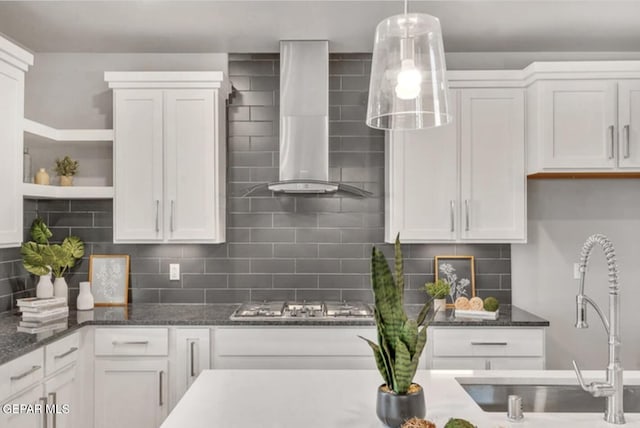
x,y
408,81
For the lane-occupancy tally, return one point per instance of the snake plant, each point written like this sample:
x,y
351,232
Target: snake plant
x,y
400,339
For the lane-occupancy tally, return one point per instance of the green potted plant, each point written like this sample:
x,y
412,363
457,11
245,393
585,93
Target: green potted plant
x,y
438,291
400,343
66,169
42,258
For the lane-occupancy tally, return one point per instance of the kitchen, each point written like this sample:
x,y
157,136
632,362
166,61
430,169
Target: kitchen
x,y
309,247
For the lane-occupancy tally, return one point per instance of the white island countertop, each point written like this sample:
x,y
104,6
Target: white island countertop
x,y
347,398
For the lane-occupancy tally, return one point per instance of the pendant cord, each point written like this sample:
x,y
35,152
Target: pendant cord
x,y
405,6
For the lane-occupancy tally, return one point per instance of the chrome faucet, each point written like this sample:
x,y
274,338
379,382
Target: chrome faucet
x,y
612,389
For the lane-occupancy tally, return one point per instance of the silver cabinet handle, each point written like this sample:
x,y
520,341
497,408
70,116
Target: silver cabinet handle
x,y
130,342
160,400
70,351
487,364
627,147
193,358
612,142
489,343
172,213
157,215
54,401
25,374
466,215
43,401
452,215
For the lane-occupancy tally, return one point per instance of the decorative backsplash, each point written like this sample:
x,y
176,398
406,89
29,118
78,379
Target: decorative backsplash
x,y
278,247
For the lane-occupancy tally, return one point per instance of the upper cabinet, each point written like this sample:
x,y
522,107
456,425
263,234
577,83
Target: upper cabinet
x,y
169,156
463,182
14,62
584,118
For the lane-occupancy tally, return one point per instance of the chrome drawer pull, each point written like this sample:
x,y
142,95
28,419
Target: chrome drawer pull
x,y
25,374
193,364
452,216
54,401
43,401
130,342
612,142
70,351
160,398
489,343
627,149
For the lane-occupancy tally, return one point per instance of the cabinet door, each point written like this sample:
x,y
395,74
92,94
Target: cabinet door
x,y
192,166
422,183
578,120
191,357
62,393
493,179
24,420
130,393
11,113
138,202
629,124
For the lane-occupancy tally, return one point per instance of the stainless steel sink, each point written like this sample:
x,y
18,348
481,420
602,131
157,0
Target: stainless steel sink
x,y
547,398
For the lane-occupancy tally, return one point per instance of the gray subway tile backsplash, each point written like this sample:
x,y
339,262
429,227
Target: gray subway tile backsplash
x,y
278,247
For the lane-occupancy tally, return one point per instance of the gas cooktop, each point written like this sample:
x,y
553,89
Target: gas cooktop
x,y
303,310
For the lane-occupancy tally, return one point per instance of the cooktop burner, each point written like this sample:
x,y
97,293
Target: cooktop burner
x,y
303,310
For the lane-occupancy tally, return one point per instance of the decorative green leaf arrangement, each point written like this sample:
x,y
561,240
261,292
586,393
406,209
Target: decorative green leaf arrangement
x,y
39,255
439,289
66,167
400,339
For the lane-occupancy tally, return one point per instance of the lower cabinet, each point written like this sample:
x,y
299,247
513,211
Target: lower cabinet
x,y
485,348
62,392
130,393
190,355
13,419
292,348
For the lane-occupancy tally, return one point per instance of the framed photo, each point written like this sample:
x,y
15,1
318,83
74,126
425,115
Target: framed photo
x,y
459,272
109,277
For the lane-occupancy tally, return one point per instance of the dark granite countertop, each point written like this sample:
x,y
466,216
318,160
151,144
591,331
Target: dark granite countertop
x,y
14,344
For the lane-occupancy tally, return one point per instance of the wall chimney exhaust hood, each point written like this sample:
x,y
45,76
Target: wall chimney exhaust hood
x,y
304,121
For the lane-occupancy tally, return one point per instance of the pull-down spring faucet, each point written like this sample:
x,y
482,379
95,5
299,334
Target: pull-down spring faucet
x,y
613,388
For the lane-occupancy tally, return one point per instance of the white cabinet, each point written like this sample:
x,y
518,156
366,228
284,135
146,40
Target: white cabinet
x,y
464,182
292,348
169,156
590,125
131,377
62,392
16,419
191,356
14,61
485,348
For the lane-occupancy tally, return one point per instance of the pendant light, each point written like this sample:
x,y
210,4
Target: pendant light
x,y
408,87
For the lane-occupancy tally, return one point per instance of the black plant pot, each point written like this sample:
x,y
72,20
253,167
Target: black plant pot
x,y
394,409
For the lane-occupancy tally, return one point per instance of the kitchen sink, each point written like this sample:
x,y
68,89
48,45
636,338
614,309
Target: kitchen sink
x,y
492,397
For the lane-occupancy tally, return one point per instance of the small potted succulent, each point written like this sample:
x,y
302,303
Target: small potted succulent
x,y
438,291
66,168
400,343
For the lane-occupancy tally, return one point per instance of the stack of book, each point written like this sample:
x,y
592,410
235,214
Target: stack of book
x,y
43,314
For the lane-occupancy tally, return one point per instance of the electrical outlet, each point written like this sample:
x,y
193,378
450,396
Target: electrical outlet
x,y
174,272
576,271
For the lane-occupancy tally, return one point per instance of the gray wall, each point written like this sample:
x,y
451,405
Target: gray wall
x,y
14,282
284,247
562,214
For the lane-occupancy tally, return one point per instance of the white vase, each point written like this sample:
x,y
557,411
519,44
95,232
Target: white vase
x,y
439,305
60,288
85,298
44,288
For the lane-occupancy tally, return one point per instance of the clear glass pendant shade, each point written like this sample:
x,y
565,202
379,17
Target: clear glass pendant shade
x,y
408,87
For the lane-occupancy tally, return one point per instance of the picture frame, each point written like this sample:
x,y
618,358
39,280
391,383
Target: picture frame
x,y
109,277
459,272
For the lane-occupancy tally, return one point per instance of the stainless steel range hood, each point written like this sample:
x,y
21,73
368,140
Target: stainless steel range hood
x,y
304,121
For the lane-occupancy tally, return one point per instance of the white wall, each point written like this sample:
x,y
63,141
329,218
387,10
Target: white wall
x,y
562,214
67,90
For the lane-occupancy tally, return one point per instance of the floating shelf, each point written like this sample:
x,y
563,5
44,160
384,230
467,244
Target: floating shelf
x,y
38,191
45,131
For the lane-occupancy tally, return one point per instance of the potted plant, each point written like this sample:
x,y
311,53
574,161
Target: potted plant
x,y
66,169
400,343
42,258
438,291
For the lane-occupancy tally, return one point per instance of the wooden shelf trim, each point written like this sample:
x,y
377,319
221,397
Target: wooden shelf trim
x,y
35,128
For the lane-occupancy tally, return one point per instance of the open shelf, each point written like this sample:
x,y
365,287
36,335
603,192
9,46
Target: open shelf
x,y
38,191
50,133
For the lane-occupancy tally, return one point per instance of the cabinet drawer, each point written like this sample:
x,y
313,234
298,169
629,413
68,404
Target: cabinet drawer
x,y
21,373
131,341
293,342
61,353
490,363
475,342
